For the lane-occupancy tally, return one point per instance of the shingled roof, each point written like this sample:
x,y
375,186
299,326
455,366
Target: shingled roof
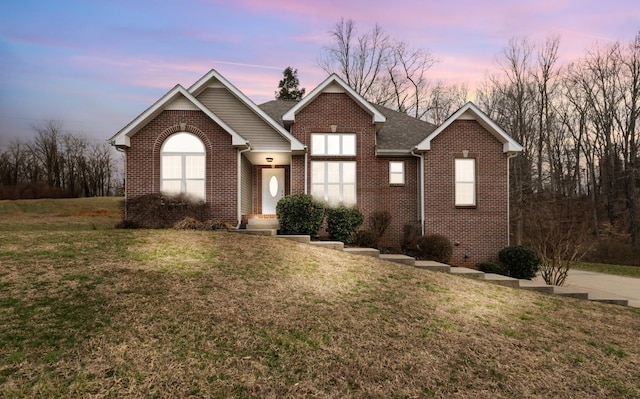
x,y
400,133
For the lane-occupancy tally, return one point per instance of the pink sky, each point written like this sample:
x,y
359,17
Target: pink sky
x,y
96,65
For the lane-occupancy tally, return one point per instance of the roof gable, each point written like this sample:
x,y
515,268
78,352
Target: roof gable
x,y
176,95
213,78
333,84
471,111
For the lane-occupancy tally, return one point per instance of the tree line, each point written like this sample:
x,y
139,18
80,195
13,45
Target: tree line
x,y
577,178
56,163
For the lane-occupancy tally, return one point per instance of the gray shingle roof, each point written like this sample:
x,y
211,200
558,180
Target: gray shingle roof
x,y
400,132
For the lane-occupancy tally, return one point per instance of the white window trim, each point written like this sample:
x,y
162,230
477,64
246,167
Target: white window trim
x,y
325,138
401,174
473,182
183,166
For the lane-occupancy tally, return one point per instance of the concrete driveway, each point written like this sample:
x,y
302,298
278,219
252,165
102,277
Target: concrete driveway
x,y
600,285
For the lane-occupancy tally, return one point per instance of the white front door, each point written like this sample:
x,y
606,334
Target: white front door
x,y
272,189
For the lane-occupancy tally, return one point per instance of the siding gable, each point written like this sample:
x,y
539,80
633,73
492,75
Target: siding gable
x,y
236,114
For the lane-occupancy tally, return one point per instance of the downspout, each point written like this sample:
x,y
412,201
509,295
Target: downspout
x,y
509,156
126,181
306,169
421,174
239,190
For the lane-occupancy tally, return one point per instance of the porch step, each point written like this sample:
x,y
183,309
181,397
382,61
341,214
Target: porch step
x,y
398,258
612,301
432,266
258,232
263,223
364,251
337,245
502,280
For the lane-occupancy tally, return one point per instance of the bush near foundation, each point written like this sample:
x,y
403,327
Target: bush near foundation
x,y
300,214
520,261
161,211
343,222
434,247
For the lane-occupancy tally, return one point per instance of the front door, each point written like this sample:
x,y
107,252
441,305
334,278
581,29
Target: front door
x,y
272,189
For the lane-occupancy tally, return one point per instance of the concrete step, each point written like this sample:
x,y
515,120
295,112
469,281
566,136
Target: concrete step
x,y
258,232
502,280
337,245
534,286
432,266
298,238
398,258
363,251
612,301
569,292
263,223
464,271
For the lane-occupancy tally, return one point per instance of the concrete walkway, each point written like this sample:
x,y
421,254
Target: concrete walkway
x,y
600,285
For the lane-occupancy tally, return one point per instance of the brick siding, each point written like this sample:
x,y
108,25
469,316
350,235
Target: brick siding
x,y
143,160
480,232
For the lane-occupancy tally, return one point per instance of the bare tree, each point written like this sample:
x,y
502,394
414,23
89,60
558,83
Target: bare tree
x,y
385,71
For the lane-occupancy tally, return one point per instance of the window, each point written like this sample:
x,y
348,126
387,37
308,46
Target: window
x,y
465,182
182,168
396,172
334,182
333,144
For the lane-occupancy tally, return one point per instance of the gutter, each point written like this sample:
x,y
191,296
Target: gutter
x,y
509,156
421,174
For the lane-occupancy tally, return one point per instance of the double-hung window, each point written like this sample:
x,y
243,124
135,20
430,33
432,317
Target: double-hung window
x,y
465,174
333,181
182,169
396,172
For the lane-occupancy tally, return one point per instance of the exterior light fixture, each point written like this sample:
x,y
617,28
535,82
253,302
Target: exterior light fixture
x,y
269,159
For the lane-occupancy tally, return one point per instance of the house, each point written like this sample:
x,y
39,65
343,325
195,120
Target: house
x,y
213,142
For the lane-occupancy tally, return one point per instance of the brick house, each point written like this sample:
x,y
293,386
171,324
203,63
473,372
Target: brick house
x,y
213,142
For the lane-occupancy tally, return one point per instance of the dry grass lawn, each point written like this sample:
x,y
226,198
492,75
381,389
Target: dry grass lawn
x,y
94,312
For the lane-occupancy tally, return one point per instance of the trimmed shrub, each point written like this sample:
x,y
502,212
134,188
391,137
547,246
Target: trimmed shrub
x,y
411,233
343,222
434,247
520,261
159,211
300,214
490,267
365,239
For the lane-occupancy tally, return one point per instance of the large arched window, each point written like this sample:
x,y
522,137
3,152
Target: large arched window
x,y
182,160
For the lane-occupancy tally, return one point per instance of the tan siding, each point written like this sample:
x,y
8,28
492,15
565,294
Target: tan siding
x,y
243,120
181,104
247,186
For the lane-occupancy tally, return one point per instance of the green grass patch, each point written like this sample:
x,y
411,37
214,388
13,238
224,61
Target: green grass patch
x,y
620,270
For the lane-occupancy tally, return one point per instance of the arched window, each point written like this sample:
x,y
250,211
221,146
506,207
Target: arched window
x,y
182,160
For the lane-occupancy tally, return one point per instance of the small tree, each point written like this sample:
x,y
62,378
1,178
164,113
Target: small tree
x,y
560,232
289,86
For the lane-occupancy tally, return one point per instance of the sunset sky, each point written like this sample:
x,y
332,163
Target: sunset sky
x,y
95,65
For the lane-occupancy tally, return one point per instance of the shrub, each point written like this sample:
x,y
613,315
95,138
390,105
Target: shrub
x,y
158,211
434,247
343,222
490,267
411,233
520,261
379,222
365,239
300,214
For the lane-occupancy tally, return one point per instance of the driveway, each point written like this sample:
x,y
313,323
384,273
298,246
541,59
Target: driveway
x,y
600,285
